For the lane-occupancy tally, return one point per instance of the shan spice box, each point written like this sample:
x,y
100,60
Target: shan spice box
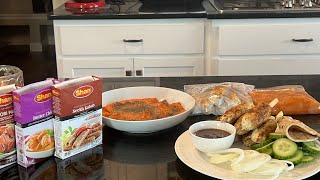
x,y
7,137
78,115
34,122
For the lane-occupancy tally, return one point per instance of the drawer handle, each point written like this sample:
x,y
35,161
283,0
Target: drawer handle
x,y
302,40
132,40
138,72
128,73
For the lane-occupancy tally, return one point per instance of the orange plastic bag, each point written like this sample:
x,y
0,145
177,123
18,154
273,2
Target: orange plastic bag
x,y
293,100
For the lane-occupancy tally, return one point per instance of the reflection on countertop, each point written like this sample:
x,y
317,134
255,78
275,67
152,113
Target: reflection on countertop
x,y
86,165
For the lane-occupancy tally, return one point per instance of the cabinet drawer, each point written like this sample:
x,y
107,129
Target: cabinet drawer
x,y
182,38
269,39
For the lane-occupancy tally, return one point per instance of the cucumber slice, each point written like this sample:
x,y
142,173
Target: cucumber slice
x,y
307,159
284,148
265,148
311,147
296,159
276,136
256,146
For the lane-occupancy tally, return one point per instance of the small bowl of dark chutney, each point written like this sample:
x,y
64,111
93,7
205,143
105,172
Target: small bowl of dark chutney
x,y
209,136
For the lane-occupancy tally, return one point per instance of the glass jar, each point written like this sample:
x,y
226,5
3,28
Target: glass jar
x,y
11,75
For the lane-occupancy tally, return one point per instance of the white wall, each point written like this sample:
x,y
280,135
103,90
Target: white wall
x,y
57,3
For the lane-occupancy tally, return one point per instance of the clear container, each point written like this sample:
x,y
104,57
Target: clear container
x,y
11,75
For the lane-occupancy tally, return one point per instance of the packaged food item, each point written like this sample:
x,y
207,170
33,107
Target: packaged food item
x,y
85,165
78,115
217,98
34,122
44,170
7,135
293,100
11,75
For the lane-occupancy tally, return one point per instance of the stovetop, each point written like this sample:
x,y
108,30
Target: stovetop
x,y
256,6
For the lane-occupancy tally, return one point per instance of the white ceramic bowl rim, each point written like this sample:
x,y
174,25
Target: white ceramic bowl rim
x,y
152,120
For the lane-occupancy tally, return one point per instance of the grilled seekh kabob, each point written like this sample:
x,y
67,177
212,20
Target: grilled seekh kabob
x,y
253,123
254,117
232,115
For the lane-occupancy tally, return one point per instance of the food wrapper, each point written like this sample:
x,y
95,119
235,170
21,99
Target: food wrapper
x,y
217,98
293,100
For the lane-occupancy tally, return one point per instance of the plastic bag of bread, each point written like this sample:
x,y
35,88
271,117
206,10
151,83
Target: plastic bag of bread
x,y
217,98
293,100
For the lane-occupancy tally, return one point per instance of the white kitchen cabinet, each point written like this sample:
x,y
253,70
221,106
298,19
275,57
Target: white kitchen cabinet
x,y
174,66
133,67
260,66
117,48
149,39
79,67
265,46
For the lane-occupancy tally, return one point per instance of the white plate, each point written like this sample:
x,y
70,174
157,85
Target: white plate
x,y
149,126
193,158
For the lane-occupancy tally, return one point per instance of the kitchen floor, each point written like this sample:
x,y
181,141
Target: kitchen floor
x,y
36,66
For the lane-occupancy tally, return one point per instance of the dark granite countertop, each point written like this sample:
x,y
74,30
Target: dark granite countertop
x,y
165,9
135,9
212,13
149,156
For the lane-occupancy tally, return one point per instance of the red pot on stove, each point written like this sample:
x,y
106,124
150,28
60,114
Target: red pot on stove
x,y
77,7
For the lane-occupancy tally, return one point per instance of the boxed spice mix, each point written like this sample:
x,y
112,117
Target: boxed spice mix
x,y
7,135
78,115
34,122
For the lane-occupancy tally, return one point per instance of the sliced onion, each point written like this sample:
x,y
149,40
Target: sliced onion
x,y
251,161
231,150
289,167
272,167
221,158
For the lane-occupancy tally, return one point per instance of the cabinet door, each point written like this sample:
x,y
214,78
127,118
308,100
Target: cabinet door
x,y
101,68
172,66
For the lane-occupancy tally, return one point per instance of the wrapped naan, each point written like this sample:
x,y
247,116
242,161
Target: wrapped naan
x,y
296,130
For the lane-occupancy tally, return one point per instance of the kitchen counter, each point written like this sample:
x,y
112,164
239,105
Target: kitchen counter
x,y
135,9
149,156
212,13
151,9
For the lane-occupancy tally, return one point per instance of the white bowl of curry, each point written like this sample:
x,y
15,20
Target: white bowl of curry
x,y
145,109
40,144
